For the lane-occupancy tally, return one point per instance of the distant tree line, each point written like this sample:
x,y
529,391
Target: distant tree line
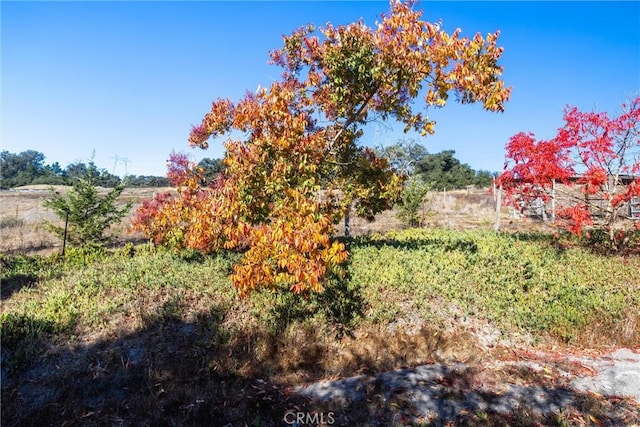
x,y
29,168
426,172
440,171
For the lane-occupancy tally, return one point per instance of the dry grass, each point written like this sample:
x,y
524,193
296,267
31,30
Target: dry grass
x,y
172,372
26,235
473,209
22,211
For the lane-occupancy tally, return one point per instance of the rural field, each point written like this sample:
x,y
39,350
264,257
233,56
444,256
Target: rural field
x,y
306,263
21,215
137,335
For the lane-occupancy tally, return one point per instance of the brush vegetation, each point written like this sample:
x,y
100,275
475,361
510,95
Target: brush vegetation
x,y
169,324
525,283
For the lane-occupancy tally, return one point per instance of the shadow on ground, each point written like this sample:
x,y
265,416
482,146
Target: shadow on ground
x,y
169,373
20,272
197,373
14,283
458,394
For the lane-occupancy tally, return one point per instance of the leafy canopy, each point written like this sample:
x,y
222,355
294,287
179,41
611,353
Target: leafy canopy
x,y
297,167
596,157
444,171
403,155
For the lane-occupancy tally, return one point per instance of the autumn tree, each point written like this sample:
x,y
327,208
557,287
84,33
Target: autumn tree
x,y
594,156
298,167
210,168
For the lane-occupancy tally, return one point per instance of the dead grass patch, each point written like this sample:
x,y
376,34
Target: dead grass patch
x,y
22,213
171,370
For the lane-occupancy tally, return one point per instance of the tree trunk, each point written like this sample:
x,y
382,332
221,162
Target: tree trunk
x,y
553,200
347,231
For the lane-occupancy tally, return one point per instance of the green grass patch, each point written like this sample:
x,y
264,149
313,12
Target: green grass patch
x,y
73,296
521,282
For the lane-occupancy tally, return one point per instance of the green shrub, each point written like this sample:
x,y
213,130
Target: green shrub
x,y
87,212
83,256
11,222
412,201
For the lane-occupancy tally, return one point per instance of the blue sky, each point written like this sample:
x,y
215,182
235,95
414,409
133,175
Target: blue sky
x,y
129,79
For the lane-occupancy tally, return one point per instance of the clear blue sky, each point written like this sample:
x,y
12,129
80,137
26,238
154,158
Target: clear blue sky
x,y
129,79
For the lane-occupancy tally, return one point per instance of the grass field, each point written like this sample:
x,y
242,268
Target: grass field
x,y
139,336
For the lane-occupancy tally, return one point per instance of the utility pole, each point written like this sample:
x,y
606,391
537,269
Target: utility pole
x,y
117,159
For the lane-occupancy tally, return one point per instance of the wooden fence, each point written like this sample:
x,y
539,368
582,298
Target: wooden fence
x,y
565,195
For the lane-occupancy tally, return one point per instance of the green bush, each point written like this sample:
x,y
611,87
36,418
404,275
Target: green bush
x,y
28,265
88,213
412,201
516,281
83,256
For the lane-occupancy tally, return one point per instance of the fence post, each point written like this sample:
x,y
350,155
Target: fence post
x,y
553,200
496,226
347,231
64,238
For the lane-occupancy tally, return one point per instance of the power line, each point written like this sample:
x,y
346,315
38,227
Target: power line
x,y
117,159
